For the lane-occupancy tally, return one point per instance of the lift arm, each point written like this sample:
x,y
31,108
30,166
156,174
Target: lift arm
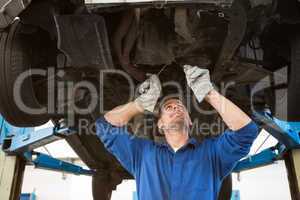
x,y
22,141
43,161
287,133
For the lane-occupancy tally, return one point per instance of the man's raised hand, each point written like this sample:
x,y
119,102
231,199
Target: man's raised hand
x,y
149,93
198,80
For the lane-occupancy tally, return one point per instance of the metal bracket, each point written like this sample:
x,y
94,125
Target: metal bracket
x,y
10,9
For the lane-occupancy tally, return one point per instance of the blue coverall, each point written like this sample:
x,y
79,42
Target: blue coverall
x,y
193,172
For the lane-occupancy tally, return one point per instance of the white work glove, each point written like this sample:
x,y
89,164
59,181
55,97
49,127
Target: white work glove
x,y
149,92
198,80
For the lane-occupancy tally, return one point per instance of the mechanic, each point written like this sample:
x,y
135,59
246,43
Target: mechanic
x,y
182,168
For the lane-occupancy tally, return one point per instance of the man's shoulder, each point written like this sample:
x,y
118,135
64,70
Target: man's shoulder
x,y
209,141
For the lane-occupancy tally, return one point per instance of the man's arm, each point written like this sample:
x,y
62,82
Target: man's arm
x,y
198,80
232,115
127,148
121,115
234,143
113,133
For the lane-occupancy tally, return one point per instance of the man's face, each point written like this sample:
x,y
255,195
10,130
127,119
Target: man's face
x,y
174,115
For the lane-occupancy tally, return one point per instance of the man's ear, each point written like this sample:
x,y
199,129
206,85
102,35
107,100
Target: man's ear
x,y
159,123
160,126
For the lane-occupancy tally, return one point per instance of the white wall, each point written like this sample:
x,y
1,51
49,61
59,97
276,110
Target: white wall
x,y
269,182
50,185
124,191
58,186
264,183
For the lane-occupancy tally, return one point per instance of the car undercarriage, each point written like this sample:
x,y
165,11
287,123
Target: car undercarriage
x,y
245,44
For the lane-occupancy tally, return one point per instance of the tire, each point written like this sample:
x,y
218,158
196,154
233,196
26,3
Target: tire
x,y
101,189
16,57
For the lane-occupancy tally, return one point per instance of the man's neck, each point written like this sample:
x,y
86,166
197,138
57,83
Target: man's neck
x,y
177,139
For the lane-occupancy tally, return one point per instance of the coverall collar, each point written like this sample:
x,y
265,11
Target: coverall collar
x,y
192,142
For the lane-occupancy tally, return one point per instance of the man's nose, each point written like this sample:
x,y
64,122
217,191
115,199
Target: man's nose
x,y
175,108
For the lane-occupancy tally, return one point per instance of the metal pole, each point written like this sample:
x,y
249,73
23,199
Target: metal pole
x,y
11,176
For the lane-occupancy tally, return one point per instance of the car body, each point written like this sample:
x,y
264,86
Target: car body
x,y
241,42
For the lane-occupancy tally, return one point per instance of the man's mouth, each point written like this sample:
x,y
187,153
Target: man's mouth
x,y
177,114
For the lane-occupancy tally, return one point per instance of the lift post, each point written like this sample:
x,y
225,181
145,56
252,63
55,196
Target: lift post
x,y
292,162
11,167
11,176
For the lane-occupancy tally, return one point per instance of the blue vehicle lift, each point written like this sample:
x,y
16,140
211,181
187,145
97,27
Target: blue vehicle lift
x,y
26,140
43,161
18,141
287,134
23,141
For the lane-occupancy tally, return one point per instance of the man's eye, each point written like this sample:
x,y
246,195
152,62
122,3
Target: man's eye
x,y
168,108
